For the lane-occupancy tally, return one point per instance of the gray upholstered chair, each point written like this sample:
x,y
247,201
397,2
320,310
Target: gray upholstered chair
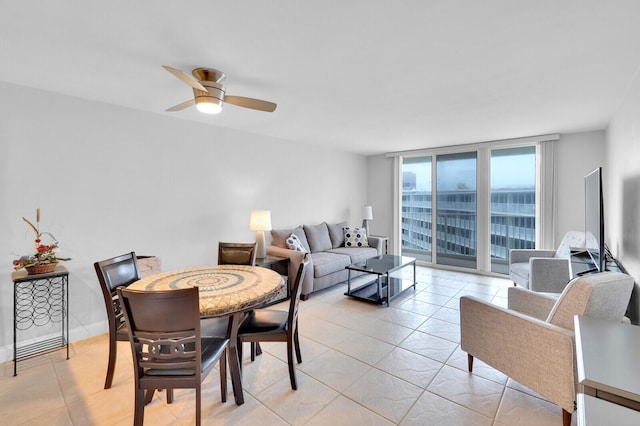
x,y
544,270
533,340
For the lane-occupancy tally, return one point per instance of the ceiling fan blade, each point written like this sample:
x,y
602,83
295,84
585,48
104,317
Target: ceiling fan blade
x,y
252,103
182,106
186,78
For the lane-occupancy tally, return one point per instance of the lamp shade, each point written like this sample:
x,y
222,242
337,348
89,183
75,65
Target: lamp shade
x,y
367,213
260,220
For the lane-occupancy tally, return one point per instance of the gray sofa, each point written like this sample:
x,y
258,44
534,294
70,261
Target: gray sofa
x,y
328,254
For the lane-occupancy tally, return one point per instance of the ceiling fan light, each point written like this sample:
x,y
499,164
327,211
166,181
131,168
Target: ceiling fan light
x,y
208,105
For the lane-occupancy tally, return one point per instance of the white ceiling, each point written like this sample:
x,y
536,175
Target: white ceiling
x,y
366,76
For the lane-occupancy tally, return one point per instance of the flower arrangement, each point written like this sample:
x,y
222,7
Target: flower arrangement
x,y
44,253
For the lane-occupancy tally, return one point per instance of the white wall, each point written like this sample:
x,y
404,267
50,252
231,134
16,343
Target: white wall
x,y
622,188
110,180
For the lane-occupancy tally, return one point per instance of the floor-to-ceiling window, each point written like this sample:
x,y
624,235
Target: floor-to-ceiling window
x,y
513,203
468,209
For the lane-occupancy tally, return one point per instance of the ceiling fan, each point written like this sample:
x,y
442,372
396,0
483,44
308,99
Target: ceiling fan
x,y
209,93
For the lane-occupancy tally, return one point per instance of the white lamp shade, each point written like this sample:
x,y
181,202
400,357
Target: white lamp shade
x,y
260,220
367,213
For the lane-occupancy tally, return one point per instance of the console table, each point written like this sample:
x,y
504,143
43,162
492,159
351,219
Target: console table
x,y
39,300
607,361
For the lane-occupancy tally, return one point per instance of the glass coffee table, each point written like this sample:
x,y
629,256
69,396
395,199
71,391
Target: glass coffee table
x,y
384,287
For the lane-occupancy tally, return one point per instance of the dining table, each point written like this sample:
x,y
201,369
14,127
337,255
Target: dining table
x,y
224,291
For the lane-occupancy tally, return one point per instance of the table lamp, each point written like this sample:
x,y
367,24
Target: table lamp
x,y
367,215
260,221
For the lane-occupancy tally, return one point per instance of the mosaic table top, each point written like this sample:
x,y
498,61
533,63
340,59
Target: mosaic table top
x,y
223,289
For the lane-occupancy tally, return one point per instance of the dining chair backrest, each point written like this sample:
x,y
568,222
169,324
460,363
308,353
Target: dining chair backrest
x,y
236,253
295,293
119,271
164,332
112,273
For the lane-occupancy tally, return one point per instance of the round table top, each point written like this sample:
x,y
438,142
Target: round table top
x,y
223,289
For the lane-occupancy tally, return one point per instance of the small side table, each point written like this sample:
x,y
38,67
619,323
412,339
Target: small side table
x,y
37,301
281,266
386,242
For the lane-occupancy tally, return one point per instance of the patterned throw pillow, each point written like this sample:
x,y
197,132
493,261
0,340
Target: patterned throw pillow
x,y
355,237
294,243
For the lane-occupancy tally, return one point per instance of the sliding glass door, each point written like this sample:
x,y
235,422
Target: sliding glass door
x,y
513,203
456,237
482,202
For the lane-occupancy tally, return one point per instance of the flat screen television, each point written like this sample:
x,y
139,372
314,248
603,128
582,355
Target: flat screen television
x,y
594,218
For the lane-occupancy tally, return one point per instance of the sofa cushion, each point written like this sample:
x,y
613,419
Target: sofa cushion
x,y
356,254
293,243
355,237
279,237
336,233
318,237
325,263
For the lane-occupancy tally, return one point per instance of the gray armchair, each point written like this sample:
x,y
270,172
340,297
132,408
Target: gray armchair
x,y
544,270
533,340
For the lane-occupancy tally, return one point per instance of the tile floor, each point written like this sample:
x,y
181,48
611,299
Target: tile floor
x,y
362,364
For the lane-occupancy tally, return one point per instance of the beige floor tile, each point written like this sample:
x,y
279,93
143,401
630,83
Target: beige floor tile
x,y
432,409
252,412
474,392
384,394
429,346
364,348
403,317
433,298
459,360
443,329
263,372
345,412
297,407
447,314
386,331
325,332
418,307
309,349
410,366
521,409
335,369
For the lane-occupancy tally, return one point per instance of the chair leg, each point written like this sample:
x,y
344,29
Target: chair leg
x,y
470,362
111,366
138,411
239,349
223,376
253,351
296,342
566,418
148,396
169,396
292,368
258,349
198,403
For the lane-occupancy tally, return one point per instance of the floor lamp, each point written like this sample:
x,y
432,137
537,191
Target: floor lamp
x,y
260,221
367,215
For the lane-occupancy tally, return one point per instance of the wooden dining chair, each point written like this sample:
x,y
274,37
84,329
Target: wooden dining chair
x,y
236,253
271,325
228,254
168,350
112,273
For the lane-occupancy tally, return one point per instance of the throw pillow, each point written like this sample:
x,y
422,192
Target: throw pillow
x,y
355,237
279,237
336,233
294,243
318,237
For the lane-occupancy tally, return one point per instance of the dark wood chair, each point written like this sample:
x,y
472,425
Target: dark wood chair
x,y
112,273
236,254
270,325
228,254
167,348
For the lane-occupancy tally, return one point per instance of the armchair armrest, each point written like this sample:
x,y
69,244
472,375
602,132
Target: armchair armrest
x,y
523,255
536,354
530,303
549,275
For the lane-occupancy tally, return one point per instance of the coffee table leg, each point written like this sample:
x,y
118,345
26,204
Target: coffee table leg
x,y
234,361
349,282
